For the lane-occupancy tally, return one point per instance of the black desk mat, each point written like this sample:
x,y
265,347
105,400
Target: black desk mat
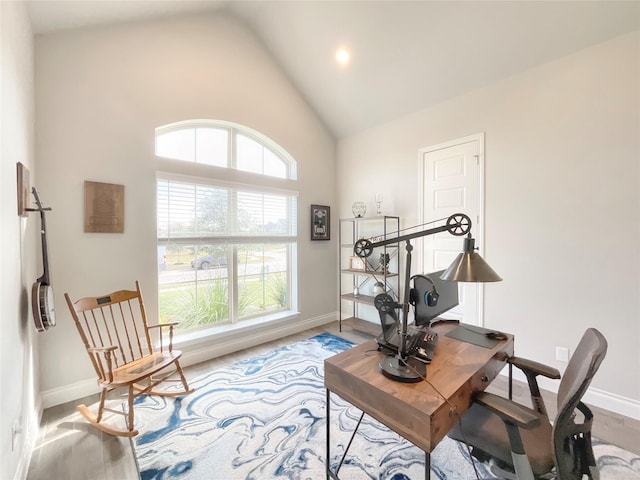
x,y
473,334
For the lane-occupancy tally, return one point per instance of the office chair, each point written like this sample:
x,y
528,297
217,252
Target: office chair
x,y
521,441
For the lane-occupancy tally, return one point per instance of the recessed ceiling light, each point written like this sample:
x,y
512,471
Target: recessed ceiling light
x,y
342,56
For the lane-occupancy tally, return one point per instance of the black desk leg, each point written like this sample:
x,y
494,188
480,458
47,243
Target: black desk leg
x,y
427,466
330,473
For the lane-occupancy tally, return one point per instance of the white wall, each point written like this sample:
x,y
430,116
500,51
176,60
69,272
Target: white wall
x,y
19,251
99,95
562,224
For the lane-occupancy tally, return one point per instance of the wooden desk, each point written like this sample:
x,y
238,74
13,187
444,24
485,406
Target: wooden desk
x,y
415,410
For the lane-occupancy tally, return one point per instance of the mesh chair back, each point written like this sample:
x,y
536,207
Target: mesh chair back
x,y
572,441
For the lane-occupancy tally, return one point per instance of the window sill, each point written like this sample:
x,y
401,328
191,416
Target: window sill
x,y
229,331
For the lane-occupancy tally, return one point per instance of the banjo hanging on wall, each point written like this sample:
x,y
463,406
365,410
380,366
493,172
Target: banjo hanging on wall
x,y
42,291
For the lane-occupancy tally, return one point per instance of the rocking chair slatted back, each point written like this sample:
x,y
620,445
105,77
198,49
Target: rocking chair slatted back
x,y
118,340
118,319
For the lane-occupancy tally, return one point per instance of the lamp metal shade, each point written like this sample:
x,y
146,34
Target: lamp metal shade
x,y
469,266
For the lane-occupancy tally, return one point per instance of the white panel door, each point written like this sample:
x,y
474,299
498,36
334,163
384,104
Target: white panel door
x,y
452,182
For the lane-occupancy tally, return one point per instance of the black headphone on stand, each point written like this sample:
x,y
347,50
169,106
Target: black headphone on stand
x,y
430,297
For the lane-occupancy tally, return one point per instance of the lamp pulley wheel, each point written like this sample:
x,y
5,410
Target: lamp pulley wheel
x,y
458,224
362,248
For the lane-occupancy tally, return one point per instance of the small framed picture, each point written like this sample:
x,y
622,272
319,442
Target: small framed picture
x,y
320,222
357,263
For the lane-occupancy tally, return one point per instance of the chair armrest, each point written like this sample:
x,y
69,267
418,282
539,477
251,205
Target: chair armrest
x,y
535,367
531,370
160,326
508,410
110,348
104,373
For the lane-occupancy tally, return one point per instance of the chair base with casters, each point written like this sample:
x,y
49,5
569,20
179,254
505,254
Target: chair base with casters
x,y
521,441
126,353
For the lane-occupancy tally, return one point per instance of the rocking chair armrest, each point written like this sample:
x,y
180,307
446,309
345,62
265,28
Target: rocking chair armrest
x,y
534,367
110,348
160,325
508,410
101,354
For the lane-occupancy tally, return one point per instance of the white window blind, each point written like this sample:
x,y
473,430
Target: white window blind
x,y
190,211
227,252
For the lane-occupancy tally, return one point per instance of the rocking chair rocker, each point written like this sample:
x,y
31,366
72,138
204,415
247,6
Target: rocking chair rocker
x,y
114,330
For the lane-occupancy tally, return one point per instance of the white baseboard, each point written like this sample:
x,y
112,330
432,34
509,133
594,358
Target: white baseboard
x,y
627,407
233,342
29,439
613,403
68,393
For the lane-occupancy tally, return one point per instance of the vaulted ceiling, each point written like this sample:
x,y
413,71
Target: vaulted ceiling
x,y
405,55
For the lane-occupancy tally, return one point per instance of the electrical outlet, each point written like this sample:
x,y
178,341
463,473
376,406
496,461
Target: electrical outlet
x,y
562,354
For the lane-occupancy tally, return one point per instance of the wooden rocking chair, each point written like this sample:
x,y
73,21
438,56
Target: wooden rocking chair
x,y
118,340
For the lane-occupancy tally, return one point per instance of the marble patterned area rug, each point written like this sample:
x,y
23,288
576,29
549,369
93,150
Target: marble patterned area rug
x,y
264,419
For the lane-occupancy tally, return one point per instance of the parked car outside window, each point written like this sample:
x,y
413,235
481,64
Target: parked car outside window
x,y
208,261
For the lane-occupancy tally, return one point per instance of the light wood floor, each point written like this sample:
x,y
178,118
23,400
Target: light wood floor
x,y
69,449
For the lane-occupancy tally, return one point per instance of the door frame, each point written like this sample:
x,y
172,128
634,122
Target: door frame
x,y
477,228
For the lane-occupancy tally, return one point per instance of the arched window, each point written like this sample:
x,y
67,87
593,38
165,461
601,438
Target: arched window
x,y
224,144
226,251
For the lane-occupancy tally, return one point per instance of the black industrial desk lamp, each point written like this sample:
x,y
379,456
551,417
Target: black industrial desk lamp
x,y
468,266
